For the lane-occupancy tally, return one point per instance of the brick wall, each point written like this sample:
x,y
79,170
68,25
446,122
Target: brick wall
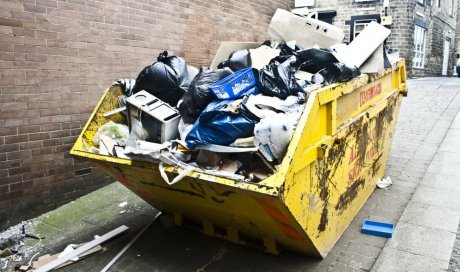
x,y
56,57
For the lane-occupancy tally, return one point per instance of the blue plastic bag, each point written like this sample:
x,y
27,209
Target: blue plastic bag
x,y
216,125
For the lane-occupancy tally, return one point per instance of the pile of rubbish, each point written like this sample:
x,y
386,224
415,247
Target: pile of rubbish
x,y
17,244
236,119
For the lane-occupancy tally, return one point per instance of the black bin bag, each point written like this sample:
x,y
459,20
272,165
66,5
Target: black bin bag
x,y
278,79
198,95
338,72
313,60
167,79
237,60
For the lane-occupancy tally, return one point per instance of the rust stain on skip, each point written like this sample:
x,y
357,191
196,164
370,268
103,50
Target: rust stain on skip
x,y
350,194
325,171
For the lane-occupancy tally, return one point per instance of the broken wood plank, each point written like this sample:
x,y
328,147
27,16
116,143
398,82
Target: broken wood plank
x,y
130,243
90,245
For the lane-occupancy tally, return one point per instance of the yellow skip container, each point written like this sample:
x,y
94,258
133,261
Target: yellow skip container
x,y
338,152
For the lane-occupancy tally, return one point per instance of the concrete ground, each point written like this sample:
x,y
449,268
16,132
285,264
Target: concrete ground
x,y
423,201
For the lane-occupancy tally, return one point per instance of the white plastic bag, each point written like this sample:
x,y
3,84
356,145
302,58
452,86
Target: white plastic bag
x,y
184,129
117,132
274,134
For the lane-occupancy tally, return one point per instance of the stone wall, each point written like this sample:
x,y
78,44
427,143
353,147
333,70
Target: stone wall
x,y
57,57
440,25
457,33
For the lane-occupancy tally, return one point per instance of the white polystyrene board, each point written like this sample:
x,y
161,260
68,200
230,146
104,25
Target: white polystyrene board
x,y
301,11
375,63
308,32
303,75
304,3
363,46
226,48
261,56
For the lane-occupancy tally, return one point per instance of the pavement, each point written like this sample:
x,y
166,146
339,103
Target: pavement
x,y
423,202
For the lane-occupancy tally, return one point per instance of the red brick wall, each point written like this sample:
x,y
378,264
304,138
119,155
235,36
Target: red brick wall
x,y
56,57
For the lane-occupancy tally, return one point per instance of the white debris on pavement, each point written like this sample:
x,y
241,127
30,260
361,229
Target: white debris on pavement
x,y
384,182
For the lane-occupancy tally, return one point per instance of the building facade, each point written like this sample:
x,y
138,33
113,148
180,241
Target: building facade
x,y
423,31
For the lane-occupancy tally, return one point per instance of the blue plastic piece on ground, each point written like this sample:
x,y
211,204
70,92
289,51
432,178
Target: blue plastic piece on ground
x,y
377,228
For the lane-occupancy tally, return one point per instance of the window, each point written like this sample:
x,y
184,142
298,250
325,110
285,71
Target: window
x,y
438,3
418,60
421,1
451,7
360,25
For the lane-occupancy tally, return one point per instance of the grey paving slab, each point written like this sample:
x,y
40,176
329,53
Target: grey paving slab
x,y
456,124
364,249
424,241
437,217
446,156
450,147
444,167
454,131
436,196
443,182
393,260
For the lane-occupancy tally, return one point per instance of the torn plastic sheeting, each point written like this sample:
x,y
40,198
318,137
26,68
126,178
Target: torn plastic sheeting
x,y
226,149
167,79
168,159
187,170
217,125
237,60
265,106
199,96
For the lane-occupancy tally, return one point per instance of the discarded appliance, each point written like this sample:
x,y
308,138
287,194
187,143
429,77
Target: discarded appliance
x,y
306,31
159,120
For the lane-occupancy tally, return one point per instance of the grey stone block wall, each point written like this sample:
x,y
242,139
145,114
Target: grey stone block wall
x,y
440,25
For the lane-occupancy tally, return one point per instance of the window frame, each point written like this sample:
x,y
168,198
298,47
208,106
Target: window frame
x,y
361,22
419,49
451,8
